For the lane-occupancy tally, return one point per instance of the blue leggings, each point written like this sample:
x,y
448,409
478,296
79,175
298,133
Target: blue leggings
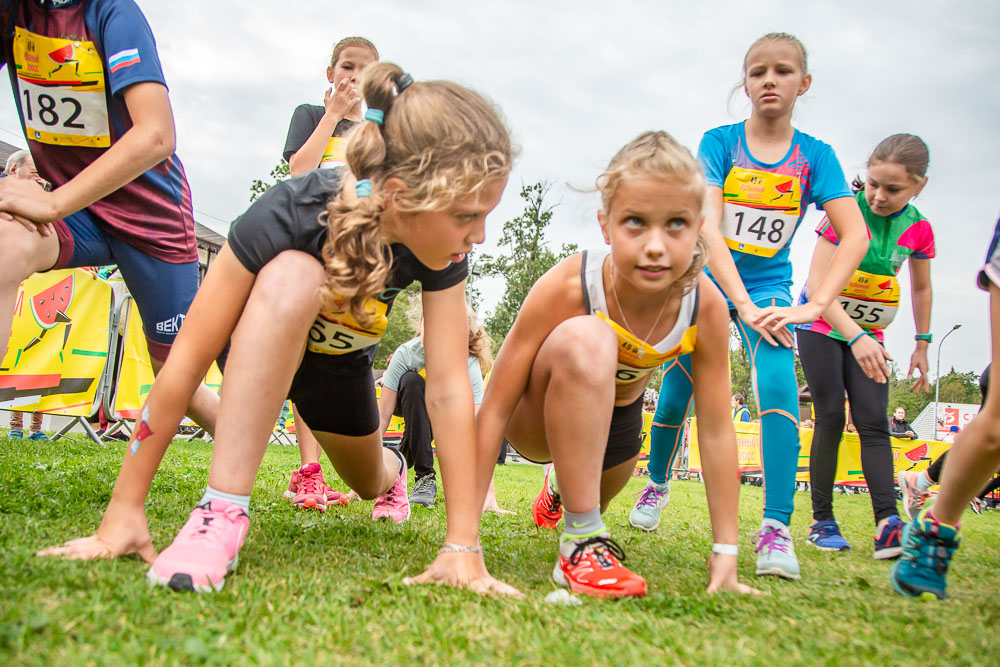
x,y
773,374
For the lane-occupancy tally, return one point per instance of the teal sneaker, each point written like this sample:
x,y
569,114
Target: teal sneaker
x,y
646,513
38,435
775,551
928,546
15,434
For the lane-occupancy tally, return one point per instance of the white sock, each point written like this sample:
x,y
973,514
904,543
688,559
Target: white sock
x,y
924,482
214,494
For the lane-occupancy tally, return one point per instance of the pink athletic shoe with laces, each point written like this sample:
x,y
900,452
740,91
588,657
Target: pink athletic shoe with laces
x,y
393,504
205,551
311,493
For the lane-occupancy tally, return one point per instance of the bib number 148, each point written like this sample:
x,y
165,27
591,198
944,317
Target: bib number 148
x,y
759,227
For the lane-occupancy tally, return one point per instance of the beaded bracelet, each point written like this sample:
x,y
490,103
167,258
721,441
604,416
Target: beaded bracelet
x,y
449,548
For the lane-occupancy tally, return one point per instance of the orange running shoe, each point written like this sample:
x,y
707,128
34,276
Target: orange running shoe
x,y
594,568
334,497
547,507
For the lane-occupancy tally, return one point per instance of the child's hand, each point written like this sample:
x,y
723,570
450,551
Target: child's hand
x,y
341,99
751,314
722,576
463,570
778,317
872,357
918,362
121,533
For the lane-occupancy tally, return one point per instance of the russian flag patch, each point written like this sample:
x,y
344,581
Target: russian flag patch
x,y
123,59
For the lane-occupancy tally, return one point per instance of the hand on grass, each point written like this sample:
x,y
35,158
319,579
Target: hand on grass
x,y
463,570
779,336
120,534
722,576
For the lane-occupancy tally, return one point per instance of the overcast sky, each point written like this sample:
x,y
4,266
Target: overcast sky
x,y
576,80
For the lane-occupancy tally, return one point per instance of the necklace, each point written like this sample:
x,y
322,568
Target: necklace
x,y
614,291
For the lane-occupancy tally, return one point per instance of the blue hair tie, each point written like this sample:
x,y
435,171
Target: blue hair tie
x,y
363,188
375,116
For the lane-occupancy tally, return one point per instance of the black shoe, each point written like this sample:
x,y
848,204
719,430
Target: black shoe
x,y
424,491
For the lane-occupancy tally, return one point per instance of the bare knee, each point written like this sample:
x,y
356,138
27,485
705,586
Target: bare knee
x,y
583,349
22,253
290,283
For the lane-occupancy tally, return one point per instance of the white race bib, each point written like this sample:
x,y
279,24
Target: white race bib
x,y
340,333
760,210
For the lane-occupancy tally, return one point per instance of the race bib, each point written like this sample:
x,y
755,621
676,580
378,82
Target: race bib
x,y
333,154
871,300
62,90
340,333
636,359
760,210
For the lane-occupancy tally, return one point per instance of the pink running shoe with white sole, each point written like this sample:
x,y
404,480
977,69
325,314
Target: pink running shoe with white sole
x,y
293,485
334,497
311,494
205,551
393,504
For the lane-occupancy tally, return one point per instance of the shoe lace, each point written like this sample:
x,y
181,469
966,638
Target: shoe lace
x,y
309,483
424,484
772,539
212,526
602,548
932,551
649,497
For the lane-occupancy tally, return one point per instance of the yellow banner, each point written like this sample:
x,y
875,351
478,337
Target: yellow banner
x,y
135,378
906,454
58,344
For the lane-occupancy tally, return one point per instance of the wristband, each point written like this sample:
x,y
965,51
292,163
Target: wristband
x,y
725,549
855,339
449,548
927,337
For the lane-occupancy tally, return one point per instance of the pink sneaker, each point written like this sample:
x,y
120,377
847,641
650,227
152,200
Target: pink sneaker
x,y
311,494
293,485
205,551
334,497
393,504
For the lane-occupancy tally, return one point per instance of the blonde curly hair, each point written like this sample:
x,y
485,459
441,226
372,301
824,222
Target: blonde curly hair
x,y
443,141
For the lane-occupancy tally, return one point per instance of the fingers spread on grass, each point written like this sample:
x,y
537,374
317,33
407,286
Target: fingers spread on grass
x,y
82,548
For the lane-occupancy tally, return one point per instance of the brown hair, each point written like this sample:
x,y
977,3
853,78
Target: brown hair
x,y
442,140
347,43
907,150
658,155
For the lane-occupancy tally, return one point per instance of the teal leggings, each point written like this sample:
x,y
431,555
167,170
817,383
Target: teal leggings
x,y
773,374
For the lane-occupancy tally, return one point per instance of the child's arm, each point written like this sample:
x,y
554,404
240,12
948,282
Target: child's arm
x,y
337,103
849,225
386,406
716,435
724,270
871,356
922,295
209,323
147,143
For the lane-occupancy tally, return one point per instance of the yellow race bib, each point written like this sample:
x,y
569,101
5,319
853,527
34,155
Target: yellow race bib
x,y
339,332
871,300
760,210
62,90
333,154
636,359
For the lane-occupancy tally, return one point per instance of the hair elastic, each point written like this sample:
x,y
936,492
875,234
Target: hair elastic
x,y
375,115
403,83
363,188
725,549
855,339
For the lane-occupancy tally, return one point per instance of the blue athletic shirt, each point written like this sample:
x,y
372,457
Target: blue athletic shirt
x,y
69,63
763,203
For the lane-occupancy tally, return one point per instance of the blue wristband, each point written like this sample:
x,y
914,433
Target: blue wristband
x,y
855,339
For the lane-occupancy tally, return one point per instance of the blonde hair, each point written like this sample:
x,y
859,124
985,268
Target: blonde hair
x,y
779,38
442,140
347,43
658,155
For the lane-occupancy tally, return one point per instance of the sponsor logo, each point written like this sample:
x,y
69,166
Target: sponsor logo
x,y
171,326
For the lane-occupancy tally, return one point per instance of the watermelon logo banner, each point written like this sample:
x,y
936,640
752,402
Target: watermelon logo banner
x,y
58,346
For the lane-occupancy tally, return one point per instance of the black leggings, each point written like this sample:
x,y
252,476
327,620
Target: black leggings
x,y
830,369
417,436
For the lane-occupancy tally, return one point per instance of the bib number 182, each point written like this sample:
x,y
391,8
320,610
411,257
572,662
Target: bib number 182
x,y
44,108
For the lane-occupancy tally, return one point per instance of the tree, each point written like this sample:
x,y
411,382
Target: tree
x,y
279,173
399,329
527,258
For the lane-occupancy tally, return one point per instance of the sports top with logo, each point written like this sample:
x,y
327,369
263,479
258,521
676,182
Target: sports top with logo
x,y
305,118
636,358
69,64
286,217
763,203
871,298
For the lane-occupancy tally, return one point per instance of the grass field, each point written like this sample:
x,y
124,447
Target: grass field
x,y
320,589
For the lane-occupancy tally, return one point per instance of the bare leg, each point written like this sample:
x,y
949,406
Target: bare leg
x,y
362,462
22,253
309,447
613,480
204,405
975,456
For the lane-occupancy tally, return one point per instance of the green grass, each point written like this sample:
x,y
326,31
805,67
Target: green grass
x,y
318,589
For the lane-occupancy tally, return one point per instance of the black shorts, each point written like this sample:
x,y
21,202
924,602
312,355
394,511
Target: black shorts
x,y
624,436
330,400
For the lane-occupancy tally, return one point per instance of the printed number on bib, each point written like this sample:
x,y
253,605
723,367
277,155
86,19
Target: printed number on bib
x,y
61,90
760,210
871,300
637,359
340,333
333,154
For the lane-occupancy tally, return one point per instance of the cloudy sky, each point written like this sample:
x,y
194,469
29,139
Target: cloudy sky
x,y
577,79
